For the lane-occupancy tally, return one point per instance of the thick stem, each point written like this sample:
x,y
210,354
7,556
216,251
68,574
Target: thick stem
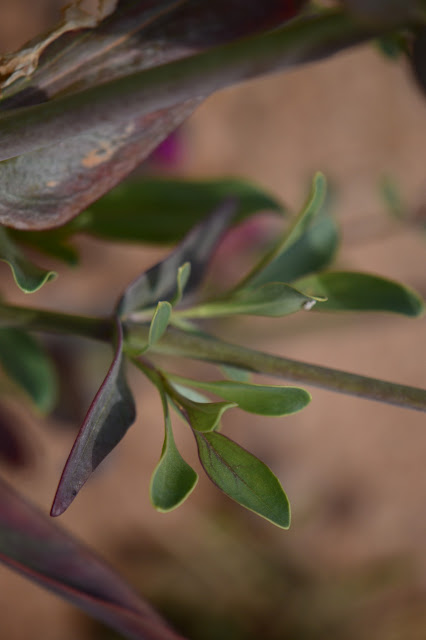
x,y
51,321
202,347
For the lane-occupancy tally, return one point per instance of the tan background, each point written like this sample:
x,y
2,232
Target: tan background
x,y
353,563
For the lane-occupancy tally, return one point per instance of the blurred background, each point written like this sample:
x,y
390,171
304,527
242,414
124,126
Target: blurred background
x,y
353,563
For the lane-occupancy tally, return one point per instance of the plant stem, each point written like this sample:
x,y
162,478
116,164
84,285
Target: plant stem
x,y
51,321
201,347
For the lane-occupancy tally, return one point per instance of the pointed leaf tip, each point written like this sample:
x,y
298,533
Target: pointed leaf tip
x,y
110,415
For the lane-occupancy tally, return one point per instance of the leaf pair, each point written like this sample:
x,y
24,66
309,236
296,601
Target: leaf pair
x,y
306,248
238,473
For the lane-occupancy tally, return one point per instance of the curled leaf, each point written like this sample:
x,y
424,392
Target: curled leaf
x,y
24,62
28,276
243,477
109,417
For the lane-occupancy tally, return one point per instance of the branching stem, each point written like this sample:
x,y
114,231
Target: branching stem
x,y
202,347
184,344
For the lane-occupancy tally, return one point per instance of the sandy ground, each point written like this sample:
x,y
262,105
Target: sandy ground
x,y
354,470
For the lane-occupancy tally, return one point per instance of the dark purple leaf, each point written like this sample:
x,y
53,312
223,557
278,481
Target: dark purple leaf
x,y
31,544
110,415
48,185
160,282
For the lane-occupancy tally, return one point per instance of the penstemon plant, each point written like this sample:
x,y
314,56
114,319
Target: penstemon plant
x,y
69,132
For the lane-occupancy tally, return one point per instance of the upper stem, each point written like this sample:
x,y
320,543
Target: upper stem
x,y
200,347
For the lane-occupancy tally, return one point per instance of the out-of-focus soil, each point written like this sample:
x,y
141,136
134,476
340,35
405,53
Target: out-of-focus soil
x,y
354,470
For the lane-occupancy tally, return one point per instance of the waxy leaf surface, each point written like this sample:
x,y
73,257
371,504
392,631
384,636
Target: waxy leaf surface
x,y
160,282
350,291
110,415
33,545
27,363
173,479
243,477
272,400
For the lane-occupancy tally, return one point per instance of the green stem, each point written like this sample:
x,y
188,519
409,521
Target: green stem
x,y
200,347
51,321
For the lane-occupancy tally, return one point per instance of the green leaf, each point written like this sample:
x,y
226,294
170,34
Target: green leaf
x,y
159,322
311,209
164,210
274,299
160,282
309,252
182,278
173,479
351,291
106,423
28,276
314,250
53,243
27,363
243,477
272,400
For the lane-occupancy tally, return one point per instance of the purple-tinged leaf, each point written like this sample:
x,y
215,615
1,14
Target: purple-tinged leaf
x,y
160,282
64,169
110,415
33,545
